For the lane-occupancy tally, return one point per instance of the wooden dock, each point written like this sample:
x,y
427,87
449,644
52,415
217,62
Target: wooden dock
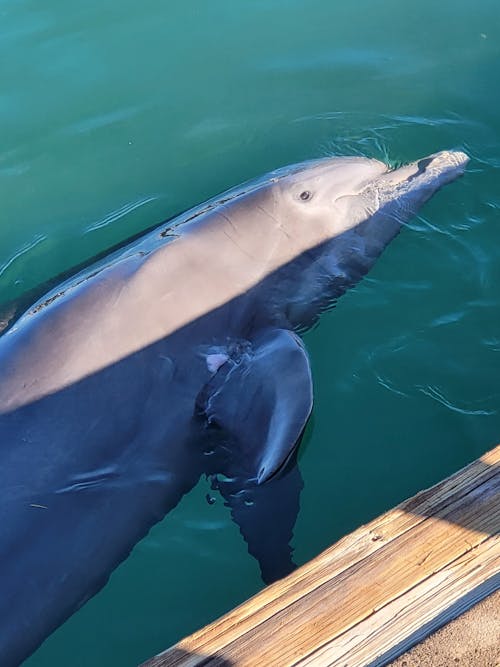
x,y
373,594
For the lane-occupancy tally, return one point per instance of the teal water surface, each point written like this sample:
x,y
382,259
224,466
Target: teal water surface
x,y
117,115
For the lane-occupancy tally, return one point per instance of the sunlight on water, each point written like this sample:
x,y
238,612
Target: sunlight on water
x,y
116,116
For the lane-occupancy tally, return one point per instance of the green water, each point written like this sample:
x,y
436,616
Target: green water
x,y
116,115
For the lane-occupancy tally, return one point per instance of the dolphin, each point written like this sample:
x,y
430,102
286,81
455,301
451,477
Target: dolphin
x,y
173,357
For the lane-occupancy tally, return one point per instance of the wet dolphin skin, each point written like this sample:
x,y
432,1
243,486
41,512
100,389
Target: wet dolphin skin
x,y
176,356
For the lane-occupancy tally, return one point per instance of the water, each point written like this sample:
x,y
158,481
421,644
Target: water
x,y
117,115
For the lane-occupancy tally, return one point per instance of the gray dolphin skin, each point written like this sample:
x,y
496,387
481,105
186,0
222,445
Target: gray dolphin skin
x,y
174,357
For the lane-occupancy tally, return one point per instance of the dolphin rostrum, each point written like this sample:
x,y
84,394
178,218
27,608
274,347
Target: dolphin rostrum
x,y
177,356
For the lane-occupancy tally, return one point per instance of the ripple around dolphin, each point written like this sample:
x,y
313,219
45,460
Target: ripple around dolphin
x,y
119,213
373,59
387,384
448,318
39,238
436,394
432,121
102,120
493,343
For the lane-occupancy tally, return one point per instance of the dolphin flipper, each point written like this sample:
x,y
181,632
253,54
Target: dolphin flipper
x,y
261,398
258,404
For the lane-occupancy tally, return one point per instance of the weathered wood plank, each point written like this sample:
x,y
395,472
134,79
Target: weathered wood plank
x,y
440,544
382,636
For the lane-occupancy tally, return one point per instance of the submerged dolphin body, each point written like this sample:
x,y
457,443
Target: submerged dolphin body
x,y
178,356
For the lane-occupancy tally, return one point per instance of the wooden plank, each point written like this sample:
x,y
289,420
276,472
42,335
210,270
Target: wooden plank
x,y
411,617
372,590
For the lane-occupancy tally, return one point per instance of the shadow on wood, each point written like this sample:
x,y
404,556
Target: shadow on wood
x,y
180,657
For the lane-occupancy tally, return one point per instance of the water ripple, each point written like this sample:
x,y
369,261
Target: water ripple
x,y
493,343
448,318
437,395
430,121
102,120
390,387
119,213
23,250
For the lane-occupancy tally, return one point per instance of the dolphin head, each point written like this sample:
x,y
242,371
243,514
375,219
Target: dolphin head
x,y
341,193
342,212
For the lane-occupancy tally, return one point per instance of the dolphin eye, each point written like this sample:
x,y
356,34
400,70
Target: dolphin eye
x,y
306,195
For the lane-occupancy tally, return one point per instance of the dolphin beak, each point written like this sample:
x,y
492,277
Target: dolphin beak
x,y
413,184
449,160
446,166
436,170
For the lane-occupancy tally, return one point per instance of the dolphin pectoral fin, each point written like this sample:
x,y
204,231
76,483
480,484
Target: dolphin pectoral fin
x,y
262,401
259,403
266,515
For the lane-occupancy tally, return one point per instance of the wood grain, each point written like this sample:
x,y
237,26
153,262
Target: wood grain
x,y
375,592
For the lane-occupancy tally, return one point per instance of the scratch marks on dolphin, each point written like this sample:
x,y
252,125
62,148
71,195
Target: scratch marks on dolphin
x,y
231,237
227,218
279,225
119,213
39,238
167,368
240,247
